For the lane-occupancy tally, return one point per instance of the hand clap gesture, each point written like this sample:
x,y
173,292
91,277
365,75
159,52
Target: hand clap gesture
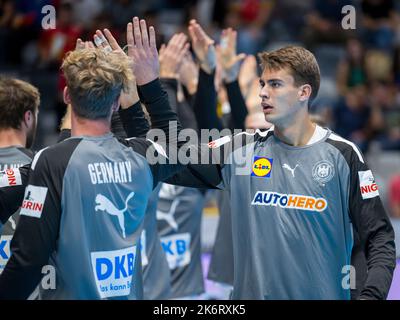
x,y
227,57
203,47
143,51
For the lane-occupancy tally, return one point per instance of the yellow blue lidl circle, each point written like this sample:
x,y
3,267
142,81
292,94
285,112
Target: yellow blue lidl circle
x,y
262,167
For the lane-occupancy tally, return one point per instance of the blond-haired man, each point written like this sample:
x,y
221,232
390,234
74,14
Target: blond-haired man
x,y
86,197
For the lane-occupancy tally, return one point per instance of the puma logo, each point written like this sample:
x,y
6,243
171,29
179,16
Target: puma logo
x,y
169,216
104,204
286,166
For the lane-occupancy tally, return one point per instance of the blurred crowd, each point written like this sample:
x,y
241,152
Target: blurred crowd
x,y
360,69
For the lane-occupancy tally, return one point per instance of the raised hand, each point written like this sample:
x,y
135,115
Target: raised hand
x,y
203,47
143,51
83,44
227,57
171,56
108,43
189,73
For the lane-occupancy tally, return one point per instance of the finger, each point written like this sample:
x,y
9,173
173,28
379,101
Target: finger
x,y
136,33
162,50
202,35
181,41
240,57
192,34
145,36
102,41
89,44
232,39
172,42
79,44
183,52
129,39
111,40
152,33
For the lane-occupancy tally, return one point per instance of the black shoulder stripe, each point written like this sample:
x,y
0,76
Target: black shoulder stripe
x,y
345,149
27,152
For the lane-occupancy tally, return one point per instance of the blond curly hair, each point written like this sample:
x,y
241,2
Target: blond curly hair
x,y
95,80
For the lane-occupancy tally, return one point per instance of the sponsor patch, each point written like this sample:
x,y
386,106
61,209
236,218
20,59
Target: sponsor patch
x,y
5,252
10,177
289,201
177,250
368,186
113,271
262,167
33,202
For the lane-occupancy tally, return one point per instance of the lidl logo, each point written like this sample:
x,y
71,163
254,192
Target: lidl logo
x,y
262,167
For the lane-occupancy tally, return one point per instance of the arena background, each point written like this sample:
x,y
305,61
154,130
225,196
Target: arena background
x,y
360,67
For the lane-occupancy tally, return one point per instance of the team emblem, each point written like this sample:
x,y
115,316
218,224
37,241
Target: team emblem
x,y
323,171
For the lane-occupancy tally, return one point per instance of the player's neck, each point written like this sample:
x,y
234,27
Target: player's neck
x,y
86,127
297,133
12,137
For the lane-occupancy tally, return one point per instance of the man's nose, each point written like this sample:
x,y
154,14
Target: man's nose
x,y
264,93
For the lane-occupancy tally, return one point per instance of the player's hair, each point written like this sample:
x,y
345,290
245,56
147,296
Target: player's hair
x,y
95,80
16,98
299,61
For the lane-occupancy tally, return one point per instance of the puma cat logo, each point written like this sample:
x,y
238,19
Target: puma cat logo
x,y
286,166
104,204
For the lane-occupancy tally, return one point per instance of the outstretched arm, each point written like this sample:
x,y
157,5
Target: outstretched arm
x,y
205,101
229,61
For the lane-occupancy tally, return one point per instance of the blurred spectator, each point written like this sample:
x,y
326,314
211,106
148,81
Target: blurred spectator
x,y
85,11
54,43
386,115
351,70
249,18
324,23
7,14
379,66
396,66
22,22
352,117
288,27
394,196
122,11
379,21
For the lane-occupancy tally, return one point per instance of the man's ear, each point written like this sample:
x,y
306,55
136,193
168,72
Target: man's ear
x,y
305,92
28,118
66,96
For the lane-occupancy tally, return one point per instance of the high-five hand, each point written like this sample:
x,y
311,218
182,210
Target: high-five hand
x,y
171,56
203,47
108,43
143,51
227,57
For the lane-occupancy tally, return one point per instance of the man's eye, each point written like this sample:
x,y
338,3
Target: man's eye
x,y
262,84
275,84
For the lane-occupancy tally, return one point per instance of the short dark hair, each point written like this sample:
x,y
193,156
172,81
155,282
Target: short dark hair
x,y
300,62
16,97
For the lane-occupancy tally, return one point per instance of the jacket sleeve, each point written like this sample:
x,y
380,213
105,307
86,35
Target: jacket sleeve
x,y
36,233
237,103
12,188
374,229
